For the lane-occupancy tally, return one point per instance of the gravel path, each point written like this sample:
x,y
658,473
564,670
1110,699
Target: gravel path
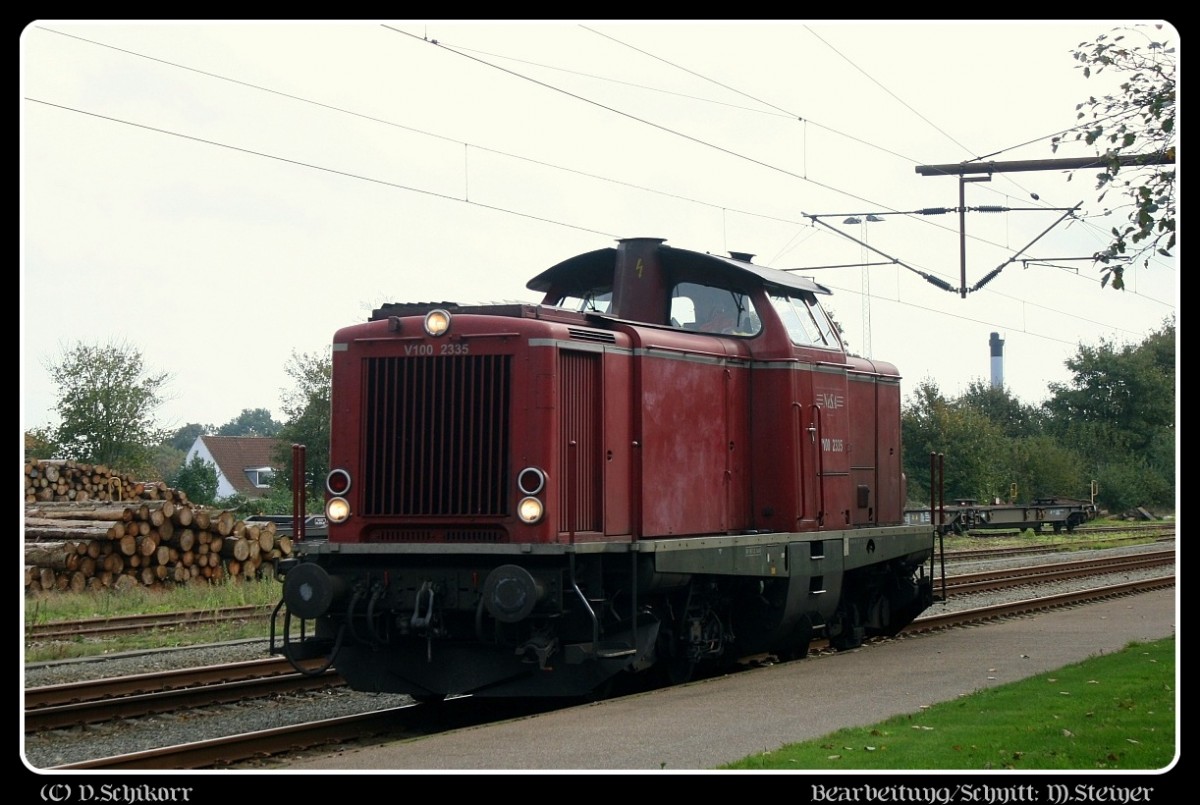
x,y
73,745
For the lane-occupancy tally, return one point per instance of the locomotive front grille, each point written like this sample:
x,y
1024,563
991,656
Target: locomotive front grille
x,y
436,436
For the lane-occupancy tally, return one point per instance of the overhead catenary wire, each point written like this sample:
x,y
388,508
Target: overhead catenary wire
x,y
342,109
449,197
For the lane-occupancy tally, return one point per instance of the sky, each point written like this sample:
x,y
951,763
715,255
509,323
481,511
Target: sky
x,y
223,196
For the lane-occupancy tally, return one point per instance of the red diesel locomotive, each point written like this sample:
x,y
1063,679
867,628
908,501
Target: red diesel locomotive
x,y
670,462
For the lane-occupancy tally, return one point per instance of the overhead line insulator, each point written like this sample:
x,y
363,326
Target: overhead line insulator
x,y
991,275
941,283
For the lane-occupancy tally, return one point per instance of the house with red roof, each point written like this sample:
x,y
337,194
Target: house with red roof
x,y
245,464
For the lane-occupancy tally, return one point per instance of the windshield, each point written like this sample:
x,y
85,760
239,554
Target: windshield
x,y
593,300
805,319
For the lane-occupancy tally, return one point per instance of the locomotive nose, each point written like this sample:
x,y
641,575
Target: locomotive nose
x,y
510,593
309,591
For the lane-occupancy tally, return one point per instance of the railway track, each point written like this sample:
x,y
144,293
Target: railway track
x,y
126,624
94,701
989,580
414,720
99,700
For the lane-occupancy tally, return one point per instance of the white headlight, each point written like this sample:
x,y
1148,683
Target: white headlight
x,y
437,322
530,510
337,510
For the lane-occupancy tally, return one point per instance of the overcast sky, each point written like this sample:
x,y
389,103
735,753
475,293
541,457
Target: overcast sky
x,y
219,196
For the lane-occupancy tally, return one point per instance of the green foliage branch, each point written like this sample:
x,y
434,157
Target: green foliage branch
x,y
1139,120
308,408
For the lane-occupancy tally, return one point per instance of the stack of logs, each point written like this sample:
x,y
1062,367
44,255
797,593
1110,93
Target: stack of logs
x,y
77,546
47,481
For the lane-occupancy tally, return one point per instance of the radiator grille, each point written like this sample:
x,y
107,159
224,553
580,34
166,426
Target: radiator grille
x,y
435,433
579,397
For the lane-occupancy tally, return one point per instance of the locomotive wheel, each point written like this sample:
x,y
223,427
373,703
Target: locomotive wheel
x,y
605,690
795,648
678,670
790,653
672,666
851,633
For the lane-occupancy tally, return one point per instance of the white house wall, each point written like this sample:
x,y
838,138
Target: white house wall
x,y
199,448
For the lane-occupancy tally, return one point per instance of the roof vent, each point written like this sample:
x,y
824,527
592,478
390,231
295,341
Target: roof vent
x,y
745,257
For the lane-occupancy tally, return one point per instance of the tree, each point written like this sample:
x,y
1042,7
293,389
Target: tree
x,y
1002,408
183,438
40,443
990,443
165,461
251,422
197,478
106,403
1139,121
972,444
1126,393
308,408
1119,411
1042,467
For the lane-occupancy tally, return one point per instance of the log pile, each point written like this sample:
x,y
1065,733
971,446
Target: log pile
x,y
154,542
77,482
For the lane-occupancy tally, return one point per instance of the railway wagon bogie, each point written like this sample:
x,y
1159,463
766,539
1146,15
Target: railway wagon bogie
x,y
671,462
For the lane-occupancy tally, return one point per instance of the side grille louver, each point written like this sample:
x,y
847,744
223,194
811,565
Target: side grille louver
x,y
579,396
599,336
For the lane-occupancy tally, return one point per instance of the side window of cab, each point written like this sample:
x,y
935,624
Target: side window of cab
x,y
713,309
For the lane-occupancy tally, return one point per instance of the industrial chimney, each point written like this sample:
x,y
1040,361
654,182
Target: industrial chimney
x,y
997,345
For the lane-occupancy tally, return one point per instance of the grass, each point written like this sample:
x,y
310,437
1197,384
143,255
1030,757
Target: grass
x,y
52,606
1079,540
1115,712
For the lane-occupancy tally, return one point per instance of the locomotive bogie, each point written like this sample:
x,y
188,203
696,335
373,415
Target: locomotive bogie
x,y
700,600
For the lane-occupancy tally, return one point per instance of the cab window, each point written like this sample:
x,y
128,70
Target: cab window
x,y
805,320
713,309
592,300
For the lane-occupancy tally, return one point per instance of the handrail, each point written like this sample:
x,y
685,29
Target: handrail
x,y
299,489
815,431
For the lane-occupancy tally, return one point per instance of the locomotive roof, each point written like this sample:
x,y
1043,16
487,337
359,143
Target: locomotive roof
x,y
598,265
